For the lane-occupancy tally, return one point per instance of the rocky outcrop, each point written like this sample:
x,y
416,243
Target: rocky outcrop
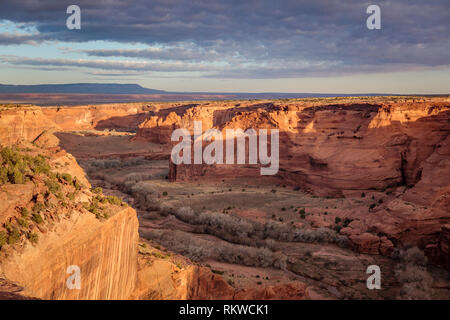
x,y
328,149
66,234
163,280
29,122
23,123
105,252
111,116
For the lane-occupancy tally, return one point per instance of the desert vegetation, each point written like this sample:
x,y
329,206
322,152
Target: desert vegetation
x,y
17,168
249,232
413,275
56,194
199,250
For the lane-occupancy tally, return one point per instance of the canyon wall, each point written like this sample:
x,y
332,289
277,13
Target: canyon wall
x,y
327,149
105,252
28,122
344,149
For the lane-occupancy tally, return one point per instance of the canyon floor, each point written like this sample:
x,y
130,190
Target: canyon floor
x,y
289,237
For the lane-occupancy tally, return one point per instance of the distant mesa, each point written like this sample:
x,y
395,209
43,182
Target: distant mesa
x,y
82,88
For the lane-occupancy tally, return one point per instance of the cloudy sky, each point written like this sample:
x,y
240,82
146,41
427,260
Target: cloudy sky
x,y
230,45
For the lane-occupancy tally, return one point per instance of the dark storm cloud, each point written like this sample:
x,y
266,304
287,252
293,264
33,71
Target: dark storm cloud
x,y
183,52
255,38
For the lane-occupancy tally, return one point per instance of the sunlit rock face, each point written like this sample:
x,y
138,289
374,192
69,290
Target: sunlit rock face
x,y
105,252
344,149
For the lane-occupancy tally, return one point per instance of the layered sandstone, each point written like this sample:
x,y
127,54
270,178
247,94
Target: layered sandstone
x,y
340,149
28,122
105,252
160,279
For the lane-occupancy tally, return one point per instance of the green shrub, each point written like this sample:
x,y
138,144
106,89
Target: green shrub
x,y
52,185
38,207
67,177
3,238
373,205
14,236
8,226
23,223
363,195
346,222
302,211
93,207
4,175
114,200
10,156
76,184
97,190
217,272
37,218
337,220
15,176
33,237
165,193
39,165
24,212
159,255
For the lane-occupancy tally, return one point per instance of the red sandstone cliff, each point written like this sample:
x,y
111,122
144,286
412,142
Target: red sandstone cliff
x,y
340,149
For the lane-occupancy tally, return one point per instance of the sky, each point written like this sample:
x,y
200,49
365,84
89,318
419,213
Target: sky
x,y
321,46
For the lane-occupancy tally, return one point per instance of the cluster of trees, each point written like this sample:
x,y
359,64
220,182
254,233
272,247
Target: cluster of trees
x,y
93,165
200,249
17,168
249,232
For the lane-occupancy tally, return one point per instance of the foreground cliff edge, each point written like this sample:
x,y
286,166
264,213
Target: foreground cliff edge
x,y
51,221
51,218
